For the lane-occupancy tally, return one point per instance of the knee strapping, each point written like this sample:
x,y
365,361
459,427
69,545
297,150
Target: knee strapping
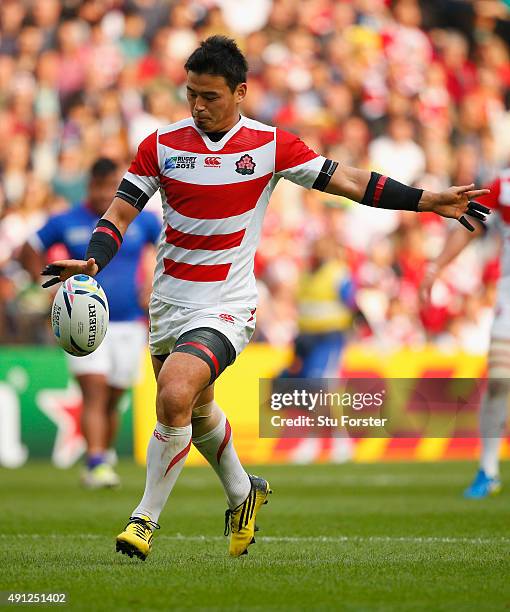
x,y
203,411
205,419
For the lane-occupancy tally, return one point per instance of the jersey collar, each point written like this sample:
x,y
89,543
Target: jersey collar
x,y
216,146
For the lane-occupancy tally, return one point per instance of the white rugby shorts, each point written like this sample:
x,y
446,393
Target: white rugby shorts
x,y
118,356
169,321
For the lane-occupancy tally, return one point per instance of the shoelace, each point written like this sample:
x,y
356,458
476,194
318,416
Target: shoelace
x,y
228,519
244,515
243,519
140,525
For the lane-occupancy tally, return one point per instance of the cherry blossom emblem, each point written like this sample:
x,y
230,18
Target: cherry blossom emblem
x,y
245,165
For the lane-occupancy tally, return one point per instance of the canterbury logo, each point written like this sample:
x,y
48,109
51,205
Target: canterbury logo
x,y
226,317
160,437
212,162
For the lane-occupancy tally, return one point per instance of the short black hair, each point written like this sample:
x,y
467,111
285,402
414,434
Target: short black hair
x,y
103,167
219,56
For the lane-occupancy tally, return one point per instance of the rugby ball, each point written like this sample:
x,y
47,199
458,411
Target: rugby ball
x,y
79,315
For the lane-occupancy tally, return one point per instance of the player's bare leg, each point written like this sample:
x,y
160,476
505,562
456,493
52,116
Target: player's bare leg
x,y
180,381
492,424
94,389
493,416
114,396
95,428
185,406
212,435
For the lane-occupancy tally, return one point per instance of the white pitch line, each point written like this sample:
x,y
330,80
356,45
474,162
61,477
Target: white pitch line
x,y
276,539
381,480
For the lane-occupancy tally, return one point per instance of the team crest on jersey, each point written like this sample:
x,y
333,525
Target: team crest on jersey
x,y
245,165
181,161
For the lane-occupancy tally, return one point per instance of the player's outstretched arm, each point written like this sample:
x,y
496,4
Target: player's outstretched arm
x,y
104,244
373,189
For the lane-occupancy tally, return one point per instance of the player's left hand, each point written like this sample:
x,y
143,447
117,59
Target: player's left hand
x,y
457,201
66,268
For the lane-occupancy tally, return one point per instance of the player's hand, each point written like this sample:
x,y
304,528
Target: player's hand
x,y
455,202
64,269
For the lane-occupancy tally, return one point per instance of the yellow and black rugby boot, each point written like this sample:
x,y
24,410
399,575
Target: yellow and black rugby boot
x,y
240,522
136,539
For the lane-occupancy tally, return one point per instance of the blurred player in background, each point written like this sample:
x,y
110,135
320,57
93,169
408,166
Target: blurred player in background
x,y
494,407
104,375
216,171
326,302
326,305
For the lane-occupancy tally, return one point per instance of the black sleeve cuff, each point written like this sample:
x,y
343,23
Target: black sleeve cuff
x,y
132,194
327,171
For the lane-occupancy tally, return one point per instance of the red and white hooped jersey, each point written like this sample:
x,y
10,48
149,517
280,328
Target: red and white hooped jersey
x,y
215,195
499,201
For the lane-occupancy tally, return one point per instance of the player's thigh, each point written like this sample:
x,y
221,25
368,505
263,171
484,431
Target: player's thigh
x,y
114,396
195,331
182,378
157,364
94,390
206,396
198,357
126,347
209,334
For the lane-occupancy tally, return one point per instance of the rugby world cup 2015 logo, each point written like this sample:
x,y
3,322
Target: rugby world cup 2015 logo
x,y
245,165
184,162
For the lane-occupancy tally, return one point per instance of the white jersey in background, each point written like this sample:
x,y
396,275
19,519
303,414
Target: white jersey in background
x,y
499,201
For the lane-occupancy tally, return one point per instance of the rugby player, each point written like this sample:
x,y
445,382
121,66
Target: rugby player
x,y
216,171
494,405
105,374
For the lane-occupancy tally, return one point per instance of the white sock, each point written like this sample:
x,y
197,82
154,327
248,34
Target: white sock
x,y
166,454
493,413
217,447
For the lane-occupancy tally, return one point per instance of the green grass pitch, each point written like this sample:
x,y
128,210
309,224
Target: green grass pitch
x,y
349,537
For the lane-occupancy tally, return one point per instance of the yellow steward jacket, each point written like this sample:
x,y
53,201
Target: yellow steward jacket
x,y
320,306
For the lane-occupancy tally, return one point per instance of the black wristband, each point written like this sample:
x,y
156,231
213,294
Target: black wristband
x,y
385,192
104,243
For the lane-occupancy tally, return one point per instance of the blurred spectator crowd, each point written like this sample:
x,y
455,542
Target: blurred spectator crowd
x,y
416,90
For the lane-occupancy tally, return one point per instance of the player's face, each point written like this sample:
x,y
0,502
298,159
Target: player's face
x,y
214,107
101,192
